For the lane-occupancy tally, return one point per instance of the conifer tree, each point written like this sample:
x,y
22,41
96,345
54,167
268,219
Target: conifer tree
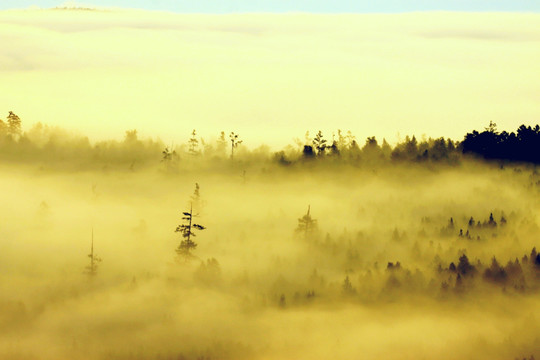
x,y
186,230
13,124
319,143
306,224
193,144
222,144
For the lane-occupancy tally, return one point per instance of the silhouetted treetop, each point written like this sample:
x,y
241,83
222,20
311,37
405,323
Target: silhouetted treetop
x,y
319,143
306,224
186,229
13,124
523,145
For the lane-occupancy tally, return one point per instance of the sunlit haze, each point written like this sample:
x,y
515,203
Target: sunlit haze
x,y
271,77
269,180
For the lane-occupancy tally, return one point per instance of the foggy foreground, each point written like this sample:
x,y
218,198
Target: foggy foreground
x,y
387,264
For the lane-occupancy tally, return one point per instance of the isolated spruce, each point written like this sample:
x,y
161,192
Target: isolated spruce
x,y
187,231
193,144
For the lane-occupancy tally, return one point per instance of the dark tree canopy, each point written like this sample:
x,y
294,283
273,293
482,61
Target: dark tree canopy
x,y
523,145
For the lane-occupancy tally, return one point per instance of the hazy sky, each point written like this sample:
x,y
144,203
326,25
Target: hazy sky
x,y
270,77
319,6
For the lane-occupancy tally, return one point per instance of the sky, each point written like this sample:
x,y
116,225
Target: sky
x,y
317,6
270,77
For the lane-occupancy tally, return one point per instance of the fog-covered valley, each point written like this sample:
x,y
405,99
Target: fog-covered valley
x,y
399,260
233,219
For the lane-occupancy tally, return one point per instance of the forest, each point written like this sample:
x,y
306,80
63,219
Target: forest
x,y
42,143
215,248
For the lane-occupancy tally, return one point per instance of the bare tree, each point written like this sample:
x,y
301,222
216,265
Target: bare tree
x,y
169,158
91,269
186,229
234,143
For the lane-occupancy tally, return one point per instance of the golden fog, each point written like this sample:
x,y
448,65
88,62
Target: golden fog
x,y
379,273
101,72
358,252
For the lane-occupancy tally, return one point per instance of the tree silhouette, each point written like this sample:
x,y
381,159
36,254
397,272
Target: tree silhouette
x,y
334,149
91,269
307,152
495,272
523,145
491,128
167,155
319,143
371,150
342,140
234,143
131,137
186,230
193,144
464,267
13,124
492,221
411,147
222,144
347,287
169,158
306,224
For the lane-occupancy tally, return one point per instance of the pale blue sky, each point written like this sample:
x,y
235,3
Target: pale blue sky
x,y
317,6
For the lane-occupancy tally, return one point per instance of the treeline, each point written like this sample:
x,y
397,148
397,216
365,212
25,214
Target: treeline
x,y
50,144
345,148
518,275
394,281
522,146
474,229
